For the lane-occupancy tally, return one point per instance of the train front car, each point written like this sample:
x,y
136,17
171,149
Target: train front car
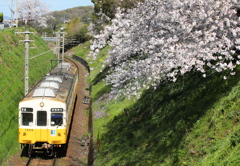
x,y
45,113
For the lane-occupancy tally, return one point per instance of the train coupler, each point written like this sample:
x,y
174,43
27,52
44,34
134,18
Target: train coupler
x,y
46,146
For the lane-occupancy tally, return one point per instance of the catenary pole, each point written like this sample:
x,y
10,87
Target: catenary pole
x,y
26,81
11,13
63,43
16,13
26,62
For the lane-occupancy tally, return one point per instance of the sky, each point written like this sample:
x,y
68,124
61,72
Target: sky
x,y
53,5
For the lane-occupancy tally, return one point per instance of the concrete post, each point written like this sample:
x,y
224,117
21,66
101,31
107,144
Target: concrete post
x,y
26,81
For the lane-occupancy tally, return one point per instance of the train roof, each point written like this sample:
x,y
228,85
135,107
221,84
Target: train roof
x,y
44,92
54,86
50,84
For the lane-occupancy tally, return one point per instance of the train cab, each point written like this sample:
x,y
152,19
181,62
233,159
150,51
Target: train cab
x,y
45,113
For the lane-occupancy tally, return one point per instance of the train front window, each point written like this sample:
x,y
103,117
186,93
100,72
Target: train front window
x,y
56,119
42,118
27,119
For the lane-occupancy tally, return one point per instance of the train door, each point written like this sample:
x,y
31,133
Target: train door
x,y
42,128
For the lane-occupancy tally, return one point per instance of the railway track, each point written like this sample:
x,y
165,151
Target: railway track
x,y
72,61
90,148
77,150
41,162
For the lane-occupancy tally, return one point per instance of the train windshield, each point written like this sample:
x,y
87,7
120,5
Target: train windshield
x,y
56,119
27,119
42,118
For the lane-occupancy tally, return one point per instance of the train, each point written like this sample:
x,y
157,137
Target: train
x,y
45,113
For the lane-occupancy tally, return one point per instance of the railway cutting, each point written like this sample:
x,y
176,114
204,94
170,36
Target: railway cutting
x,y
77,145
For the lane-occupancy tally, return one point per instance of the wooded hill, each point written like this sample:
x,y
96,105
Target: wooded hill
x,y
83,12
75,20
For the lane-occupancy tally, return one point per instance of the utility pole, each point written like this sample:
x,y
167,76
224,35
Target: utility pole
x,y
16,13
63,43
12,13
58,44
26,63
44,35
26,81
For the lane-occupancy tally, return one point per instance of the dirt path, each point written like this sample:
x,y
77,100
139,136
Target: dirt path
x,y
78,142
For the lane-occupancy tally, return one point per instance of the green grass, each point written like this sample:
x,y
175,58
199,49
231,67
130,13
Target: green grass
x,y
12,82
82,50
195,121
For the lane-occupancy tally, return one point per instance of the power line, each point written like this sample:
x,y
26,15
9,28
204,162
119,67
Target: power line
x,y
40,54
10,103
8,95
11,81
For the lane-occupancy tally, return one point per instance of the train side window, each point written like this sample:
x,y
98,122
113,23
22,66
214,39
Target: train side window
x,y
27,119
42,118
56,119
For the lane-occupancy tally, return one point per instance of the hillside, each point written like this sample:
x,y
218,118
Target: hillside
x,y
194,121
84,12
12,82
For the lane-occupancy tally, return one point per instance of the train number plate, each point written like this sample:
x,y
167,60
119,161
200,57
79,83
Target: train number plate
x,y
29,129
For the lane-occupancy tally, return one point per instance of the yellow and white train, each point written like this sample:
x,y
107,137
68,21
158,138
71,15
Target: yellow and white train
x,y
45,113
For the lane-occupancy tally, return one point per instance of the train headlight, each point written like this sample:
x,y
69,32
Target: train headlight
x,y
41,104
24,134
59,134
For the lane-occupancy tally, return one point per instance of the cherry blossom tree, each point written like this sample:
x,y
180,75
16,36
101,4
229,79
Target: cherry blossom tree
x,y
108,8
33,11
159,40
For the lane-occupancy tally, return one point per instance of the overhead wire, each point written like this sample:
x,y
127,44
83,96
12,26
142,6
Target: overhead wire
x,y
16,97
39,55
3,74
4,89
8,95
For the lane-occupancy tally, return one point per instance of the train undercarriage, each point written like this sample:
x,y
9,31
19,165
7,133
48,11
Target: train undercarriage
x,y
45,149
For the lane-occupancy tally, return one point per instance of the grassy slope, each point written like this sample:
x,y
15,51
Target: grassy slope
x,y
195,121
12,82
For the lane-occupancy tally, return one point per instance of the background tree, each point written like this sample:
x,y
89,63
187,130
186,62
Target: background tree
x,y
33,11
108,7
84,12
1,17
105,10
83,34
52,23
61,18
73,27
